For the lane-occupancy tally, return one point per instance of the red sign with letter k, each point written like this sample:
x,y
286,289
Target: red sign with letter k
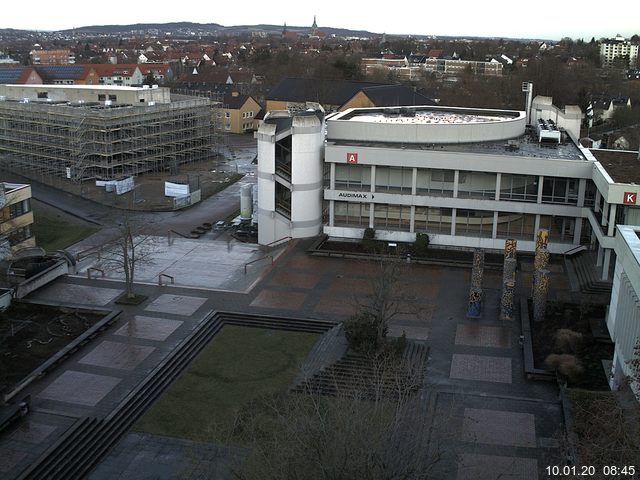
x,y
630,198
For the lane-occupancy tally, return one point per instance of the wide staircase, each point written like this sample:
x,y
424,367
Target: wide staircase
x,y
368,377
587,275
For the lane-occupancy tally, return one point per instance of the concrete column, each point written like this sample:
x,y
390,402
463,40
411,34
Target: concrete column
x,y
456,179
577,231
498,180
494,231
453,221
599,257
540,185
582,190
414,183
536,227
371,212
605,214
540,293
612,220
596,206
332,212
332,179
373,179
412,221
605,264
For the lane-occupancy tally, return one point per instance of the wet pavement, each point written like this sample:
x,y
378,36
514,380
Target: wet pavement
x,y
489,419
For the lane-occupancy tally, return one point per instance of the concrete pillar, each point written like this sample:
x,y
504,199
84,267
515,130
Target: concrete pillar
x,y
599,257
540,294
498,180
542,238
332,213
605,264
412,221
612,220
373,178
577,231
494,229
536,227
414,182
540,185
453,222
371,214
474,309
506,302
509,269
456,179
596,205
605,214
478,269
332,177
582,190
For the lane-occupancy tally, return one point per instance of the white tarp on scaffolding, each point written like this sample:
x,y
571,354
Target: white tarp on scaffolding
x,y
176,189
125,185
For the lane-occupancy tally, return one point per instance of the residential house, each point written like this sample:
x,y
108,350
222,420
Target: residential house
x,y
52,57
68,74
19,75
240,112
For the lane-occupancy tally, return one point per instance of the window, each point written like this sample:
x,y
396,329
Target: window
x,y
348,214
435,182
433,220
392,217
560,228
560,190
19,235
113,98
43,94
519,188
515,225
477,185
477,223
394,179
353,177
227,115
102,97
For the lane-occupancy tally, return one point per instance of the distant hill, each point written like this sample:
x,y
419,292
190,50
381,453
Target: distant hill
x,y
208,28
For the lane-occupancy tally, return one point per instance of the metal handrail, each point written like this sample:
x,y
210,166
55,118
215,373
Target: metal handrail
x,y
90,269
279,240
579,248
257,260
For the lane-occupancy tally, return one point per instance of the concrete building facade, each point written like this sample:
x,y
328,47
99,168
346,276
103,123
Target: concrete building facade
x,y
16,217
290,175
618,48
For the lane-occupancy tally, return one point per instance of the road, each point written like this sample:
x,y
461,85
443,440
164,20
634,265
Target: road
x,y
240,153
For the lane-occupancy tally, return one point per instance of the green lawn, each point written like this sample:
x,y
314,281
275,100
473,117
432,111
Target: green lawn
x,y
239,365
53,232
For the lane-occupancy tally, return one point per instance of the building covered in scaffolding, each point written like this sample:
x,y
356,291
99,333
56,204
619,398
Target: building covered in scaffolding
x,y
85,132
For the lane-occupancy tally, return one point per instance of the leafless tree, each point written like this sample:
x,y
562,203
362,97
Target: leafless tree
x,y
128,251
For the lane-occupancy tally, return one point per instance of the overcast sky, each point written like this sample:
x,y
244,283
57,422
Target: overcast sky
x,y
550,19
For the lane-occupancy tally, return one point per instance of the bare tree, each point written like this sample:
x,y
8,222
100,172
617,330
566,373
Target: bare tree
x,y
129,251
349,435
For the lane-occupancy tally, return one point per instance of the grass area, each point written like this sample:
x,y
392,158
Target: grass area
x,y
53,232
238,366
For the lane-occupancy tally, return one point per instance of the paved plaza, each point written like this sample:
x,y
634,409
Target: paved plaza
x,y
488,417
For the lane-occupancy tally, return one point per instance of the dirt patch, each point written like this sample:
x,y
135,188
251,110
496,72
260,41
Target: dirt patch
x,y
30,334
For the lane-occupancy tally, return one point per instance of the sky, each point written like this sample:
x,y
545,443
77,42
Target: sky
x,y
550,19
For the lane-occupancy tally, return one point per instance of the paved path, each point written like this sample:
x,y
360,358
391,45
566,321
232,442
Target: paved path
x,y
488,417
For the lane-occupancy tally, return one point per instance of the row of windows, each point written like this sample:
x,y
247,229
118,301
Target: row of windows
x,y
476,223
247,114
19,235
15,210
520,188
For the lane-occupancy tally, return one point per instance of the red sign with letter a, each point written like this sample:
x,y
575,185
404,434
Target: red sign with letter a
x,y
630,198
352,158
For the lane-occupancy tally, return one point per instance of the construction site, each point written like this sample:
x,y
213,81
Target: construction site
x,y
74,137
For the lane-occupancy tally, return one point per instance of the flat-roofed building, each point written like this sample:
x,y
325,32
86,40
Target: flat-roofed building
x,y
84,132
16,217
470,178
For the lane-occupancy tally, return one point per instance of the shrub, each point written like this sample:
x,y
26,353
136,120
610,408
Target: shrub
x,y
369,239
421,244
361,332
567,341
566,365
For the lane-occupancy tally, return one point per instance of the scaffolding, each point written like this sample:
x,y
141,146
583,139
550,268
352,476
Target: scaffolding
x,y
94,141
